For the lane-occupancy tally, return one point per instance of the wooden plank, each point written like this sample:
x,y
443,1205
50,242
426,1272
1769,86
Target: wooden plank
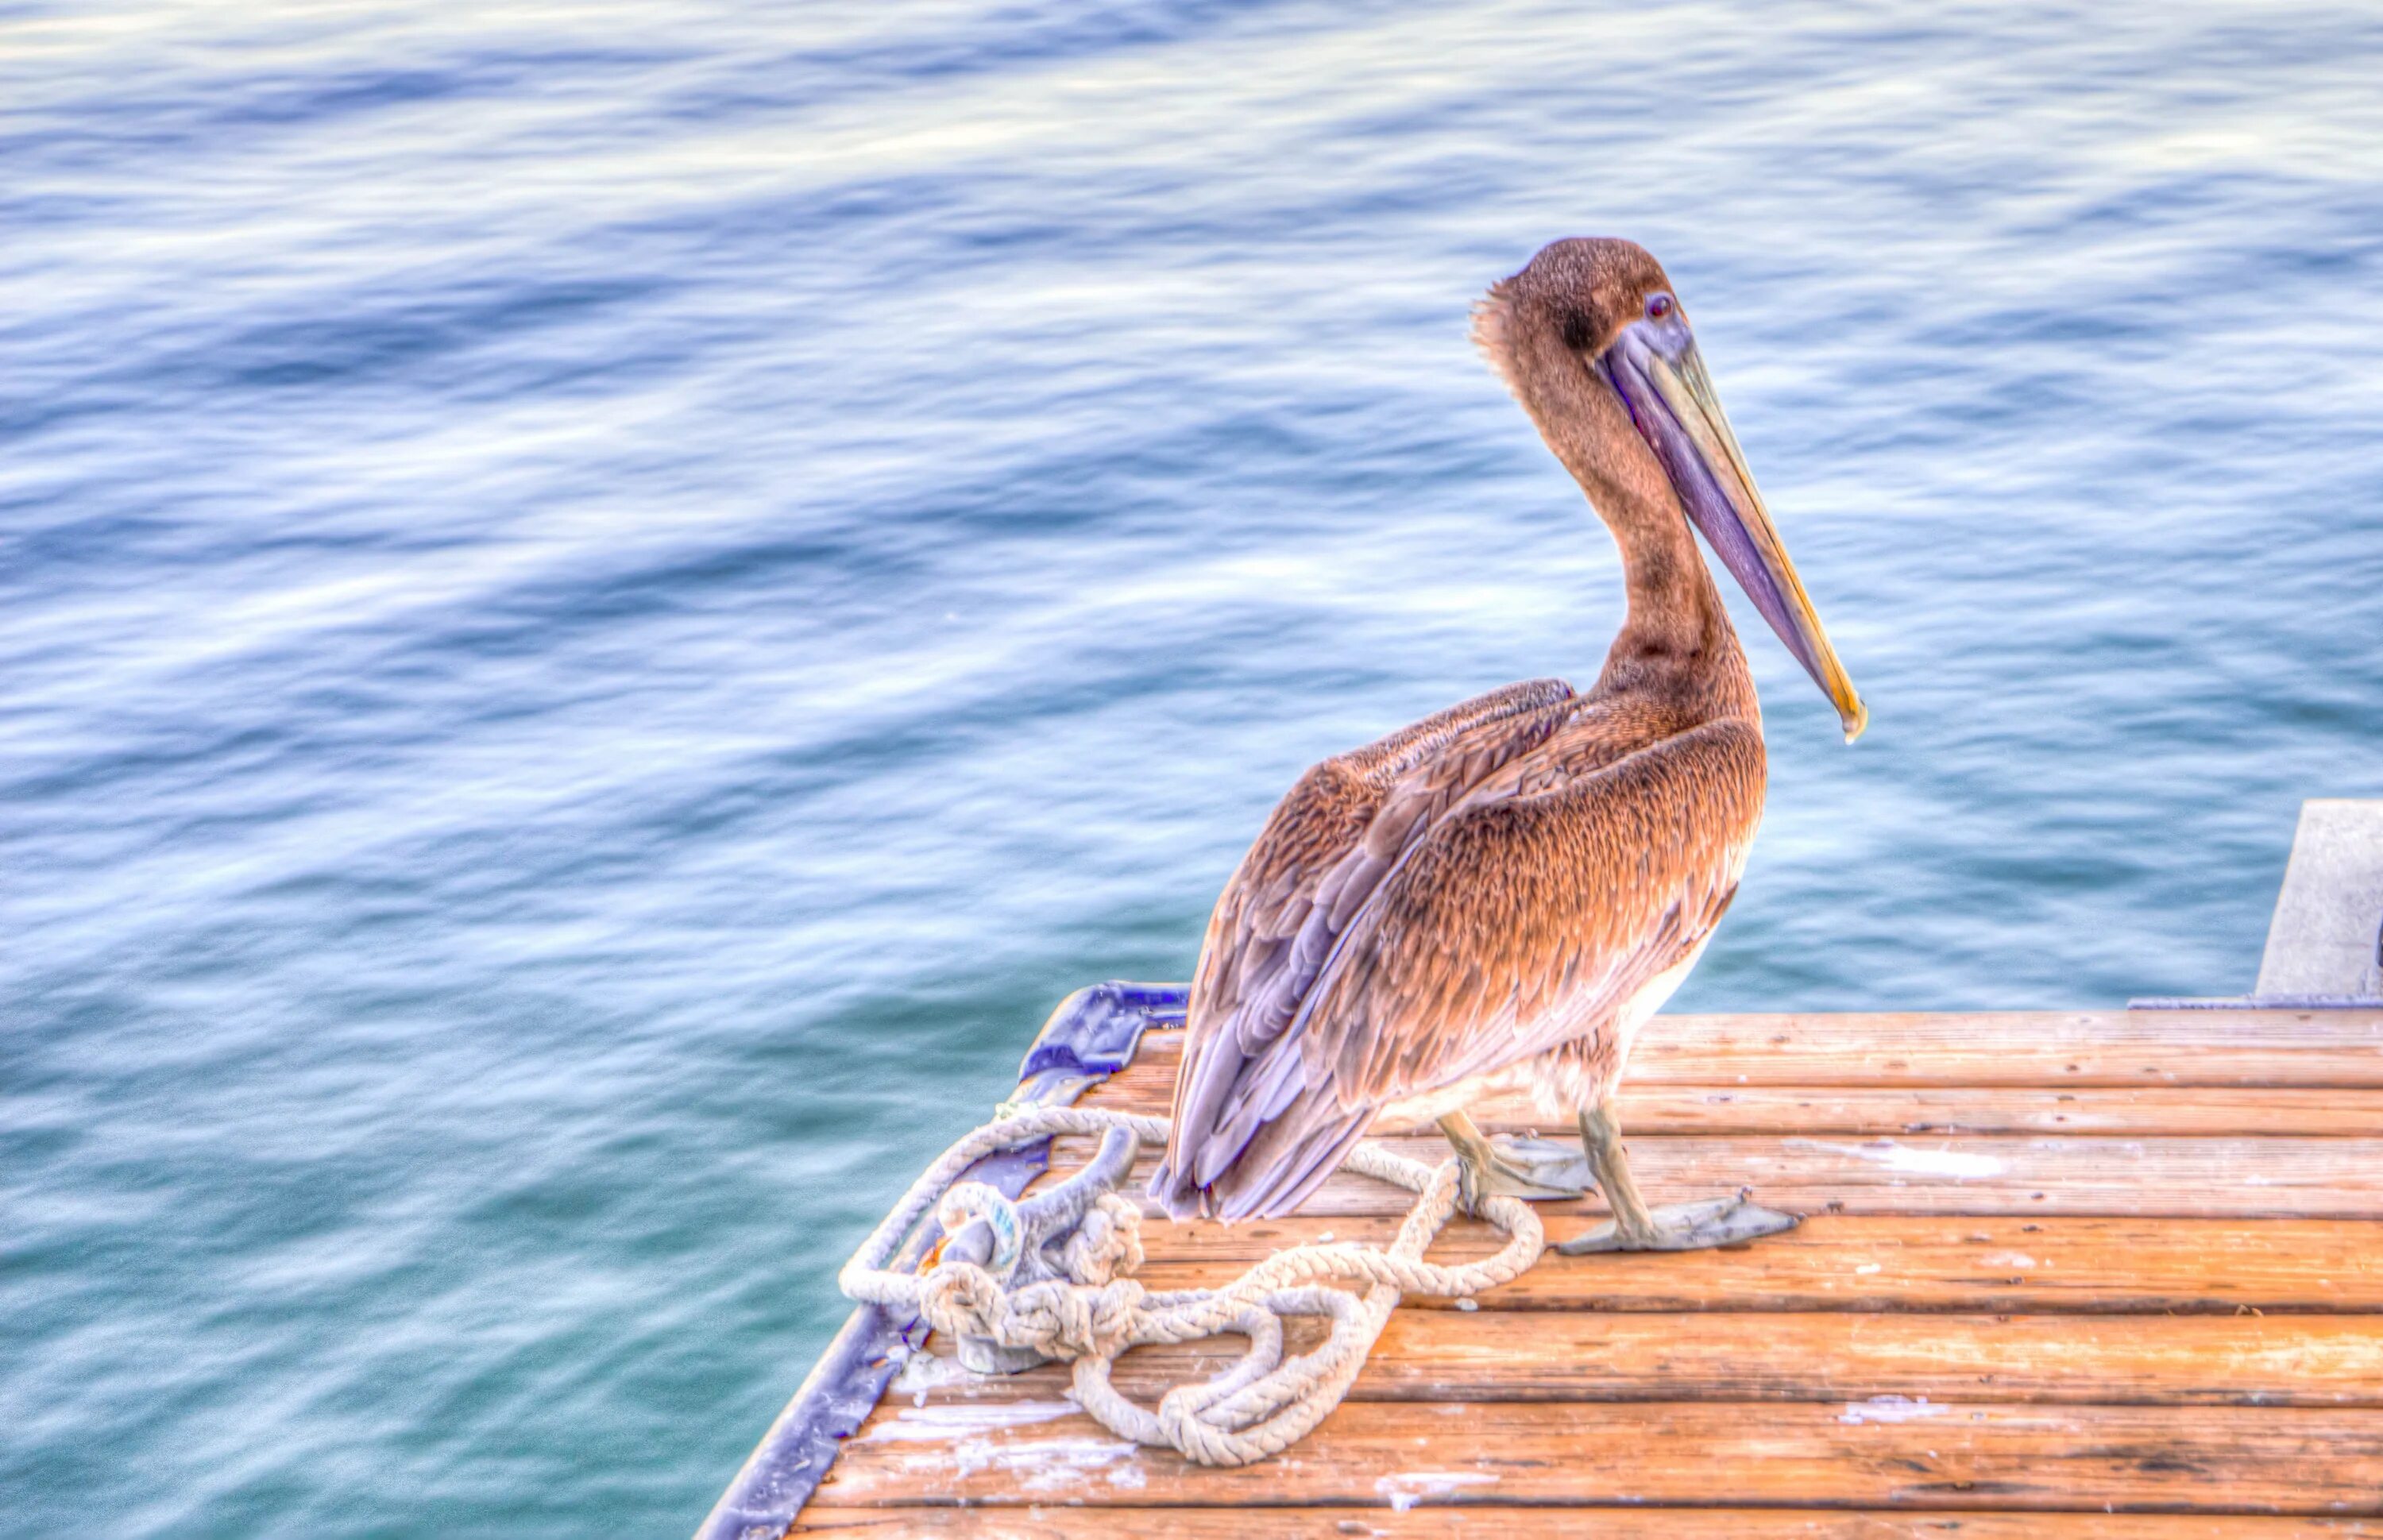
x,y
1864,1455
1889,1263
2029,1283
2218,1178
1867,1110
2194,1048
2310,1048
1556,1523
2327,936
2048,1359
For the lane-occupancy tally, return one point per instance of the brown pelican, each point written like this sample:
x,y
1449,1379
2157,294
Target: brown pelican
x,y
1500,894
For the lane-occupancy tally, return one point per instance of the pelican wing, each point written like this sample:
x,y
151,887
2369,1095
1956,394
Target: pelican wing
x,y
1340,830
1525,921
1525,915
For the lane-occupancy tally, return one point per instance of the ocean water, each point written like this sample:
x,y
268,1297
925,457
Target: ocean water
x,y
601,605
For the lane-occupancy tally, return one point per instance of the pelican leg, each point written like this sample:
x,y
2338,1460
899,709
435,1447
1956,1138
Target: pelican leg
x,y
1672,1227
1532,1169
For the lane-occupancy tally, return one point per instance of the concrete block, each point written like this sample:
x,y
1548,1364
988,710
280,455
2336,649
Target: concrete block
x,y
2327,937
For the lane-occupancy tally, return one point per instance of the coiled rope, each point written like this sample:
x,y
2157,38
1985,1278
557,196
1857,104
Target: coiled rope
x,y
1050,1276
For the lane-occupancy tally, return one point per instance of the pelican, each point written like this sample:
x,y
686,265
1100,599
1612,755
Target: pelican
x,y
1497,896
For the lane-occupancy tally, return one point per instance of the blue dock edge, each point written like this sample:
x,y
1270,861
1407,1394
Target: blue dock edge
x,y
1092,1034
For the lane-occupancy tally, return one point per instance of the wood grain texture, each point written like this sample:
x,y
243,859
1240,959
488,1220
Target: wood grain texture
x,y
2050,1360
2335,1048
2019,1047
2243,1176
1556,1523
1899,1110
1864,1111
2054,1262
1863,1454
1888,1263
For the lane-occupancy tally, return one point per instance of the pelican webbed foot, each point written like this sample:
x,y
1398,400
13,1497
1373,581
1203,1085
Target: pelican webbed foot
x,y
1532,1169
1540,1168
1672,1227
1682,1227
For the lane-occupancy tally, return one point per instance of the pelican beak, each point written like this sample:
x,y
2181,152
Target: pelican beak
x,y
1655,368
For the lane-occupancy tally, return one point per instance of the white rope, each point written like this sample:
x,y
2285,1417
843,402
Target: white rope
x,y
1059,1283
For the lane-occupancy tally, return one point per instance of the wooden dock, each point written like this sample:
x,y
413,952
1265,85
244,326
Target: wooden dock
x,y
2088,1276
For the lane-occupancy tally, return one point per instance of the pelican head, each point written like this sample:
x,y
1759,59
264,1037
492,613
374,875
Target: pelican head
x,y
1608,308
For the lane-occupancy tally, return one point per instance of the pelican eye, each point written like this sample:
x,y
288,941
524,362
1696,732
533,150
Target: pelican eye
x,y
1657,306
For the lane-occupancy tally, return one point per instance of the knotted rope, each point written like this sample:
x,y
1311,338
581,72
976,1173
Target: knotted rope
x,y
1020,1281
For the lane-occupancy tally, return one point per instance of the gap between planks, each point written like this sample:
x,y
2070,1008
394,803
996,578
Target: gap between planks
x,y
1868,1454
1899,1110
2017,1128
1443,1356
1881,1262
1556,1524
2237,1176
2211,1048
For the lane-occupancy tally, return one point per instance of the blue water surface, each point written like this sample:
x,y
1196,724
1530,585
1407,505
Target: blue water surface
x,y
601,605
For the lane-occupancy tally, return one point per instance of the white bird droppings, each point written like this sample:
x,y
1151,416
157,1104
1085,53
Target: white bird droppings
x,y
969,1419
1897,1158
1890,1409
1410,1487
922,1372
